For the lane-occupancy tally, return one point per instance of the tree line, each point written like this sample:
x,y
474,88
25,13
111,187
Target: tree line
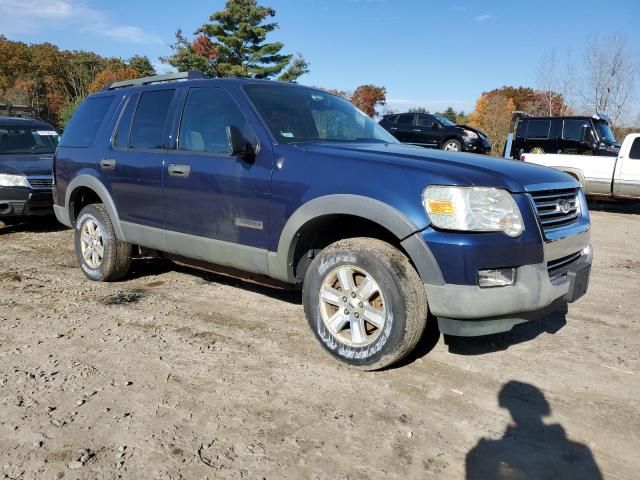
x,y
234,42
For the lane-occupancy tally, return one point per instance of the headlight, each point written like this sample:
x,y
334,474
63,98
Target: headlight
x,y
478,209
13,181
470,135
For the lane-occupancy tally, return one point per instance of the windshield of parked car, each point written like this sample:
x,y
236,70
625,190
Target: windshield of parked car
x,y
23,139
444,121
299,114
605,132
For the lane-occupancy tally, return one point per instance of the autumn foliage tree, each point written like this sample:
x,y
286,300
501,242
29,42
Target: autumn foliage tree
x,y
107,77
492,115
54,81
234,44
368,97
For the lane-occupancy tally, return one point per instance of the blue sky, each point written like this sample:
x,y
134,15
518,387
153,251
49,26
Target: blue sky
x,y
425,52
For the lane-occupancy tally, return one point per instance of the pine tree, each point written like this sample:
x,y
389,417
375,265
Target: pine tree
x,y
234,44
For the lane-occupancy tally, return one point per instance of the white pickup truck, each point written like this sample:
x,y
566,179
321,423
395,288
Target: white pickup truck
x,y
600,176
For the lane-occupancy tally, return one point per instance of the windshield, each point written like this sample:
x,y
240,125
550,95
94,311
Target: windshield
x,y
299,114
444,121
23,139
605,132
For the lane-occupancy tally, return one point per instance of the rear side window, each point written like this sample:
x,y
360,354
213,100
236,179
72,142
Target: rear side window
x,y
574,129
391,119
121,135
635,149
406,119
149,119
86,121
207,114
522,128
538,128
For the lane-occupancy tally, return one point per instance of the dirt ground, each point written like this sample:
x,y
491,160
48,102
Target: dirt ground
x,y
178,374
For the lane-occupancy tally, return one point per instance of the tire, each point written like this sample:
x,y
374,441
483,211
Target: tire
x,y
397,307
452,145
94,233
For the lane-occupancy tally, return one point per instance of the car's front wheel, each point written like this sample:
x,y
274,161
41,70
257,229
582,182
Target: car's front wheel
x,y
452,145
102,257
365,302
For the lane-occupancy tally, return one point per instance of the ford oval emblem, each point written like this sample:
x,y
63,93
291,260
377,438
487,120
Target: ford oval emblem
x,y
564,206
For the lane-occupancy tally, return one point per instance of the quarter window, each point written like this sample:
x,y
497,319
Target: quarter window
x,y
149,120
538,128
85,123
207,114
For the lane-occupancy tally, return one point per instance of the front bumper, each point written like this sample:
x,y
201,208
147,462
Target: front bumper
x,y
468,310
477,146
22,201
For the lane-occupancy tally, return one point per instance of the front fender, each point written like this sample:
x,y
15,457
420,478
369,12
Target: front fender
x,y
281,262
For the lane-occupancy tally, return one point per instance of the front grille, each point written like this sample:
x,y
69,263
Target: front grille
x,y
40,182
556,208
559,267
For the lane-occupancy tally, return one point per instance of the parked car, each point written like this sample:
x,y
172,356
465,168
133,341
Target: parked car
x,y
26,159
294,185
578,135
434,131
602,176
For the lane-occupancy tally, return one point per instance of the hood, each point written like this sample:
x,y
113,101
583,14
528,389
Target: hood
x,y
479,132
453,168
27,165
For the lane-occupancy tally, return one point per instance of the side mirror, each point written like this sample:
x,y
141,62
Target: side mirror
x,y
238,146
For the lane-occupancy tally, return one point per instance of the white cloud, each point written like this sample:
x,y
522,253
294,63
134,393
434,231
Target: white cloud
x,y
483,18
30,16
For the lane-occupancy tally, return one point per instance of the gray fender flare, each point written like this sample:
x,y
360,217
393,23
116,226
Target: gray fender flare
x,y
281,262
98,187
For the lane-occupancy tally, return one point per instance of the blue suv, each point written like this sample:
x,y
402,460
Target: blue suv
x,y
292,185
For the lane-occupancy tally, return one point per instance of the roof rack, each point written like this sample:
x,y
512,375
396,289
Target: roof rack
x,y
23,111
168,77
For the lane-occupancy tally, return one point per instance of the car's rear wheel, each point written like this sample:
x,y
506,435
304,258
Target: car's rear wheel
x,y
102,257
452,145
365,302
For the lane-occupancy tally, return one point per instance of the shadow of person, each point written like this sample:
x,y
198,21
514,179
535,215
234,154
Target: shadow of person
x,y
529,448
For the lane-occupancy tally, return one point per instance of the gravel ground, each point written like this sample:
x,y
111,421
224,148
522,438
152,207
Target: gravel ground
x,y
175,373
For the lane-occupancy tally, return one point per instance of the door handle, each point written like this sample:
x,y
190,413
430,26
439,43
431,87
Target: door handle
x,y
108,163
176,170
393,128
417,130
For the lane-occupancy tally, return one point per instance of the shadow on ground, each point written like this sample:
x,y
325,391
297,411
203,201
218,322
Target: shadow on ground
x,y
502,341
629,207
150,267
529,448
32,225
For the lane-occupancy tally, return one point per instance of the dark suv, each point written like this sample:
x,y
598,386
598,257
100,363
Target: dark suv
x,y
294,186
26,159
572,135
434,131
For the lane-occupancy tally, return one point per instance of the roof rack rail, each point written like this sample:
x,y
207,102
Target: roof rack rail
x,y
22,111
168,77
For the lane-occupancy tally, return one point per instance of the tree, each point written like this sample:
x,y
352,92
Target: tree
x,y
610,75
368,97
492,115
234,44
107,77
418,110
142,64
